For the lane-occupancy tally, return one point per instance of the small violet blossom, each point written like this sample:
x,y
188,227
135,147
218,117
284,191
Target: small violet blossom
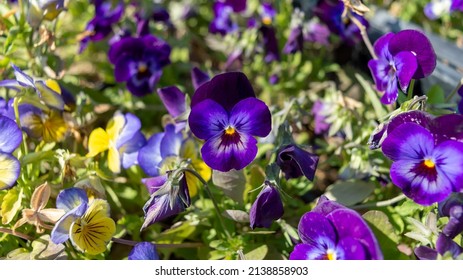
x,y
452,208
426,171
144,251
267,207
222,23
139,62
10,139
445,247
227,115
333,232
402,57
437,8
296,162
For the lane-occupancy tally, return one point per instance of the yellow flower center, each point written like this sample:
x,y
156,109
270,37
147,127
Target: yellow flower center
x,y
230,130
142,67
331,255
267,20
429,163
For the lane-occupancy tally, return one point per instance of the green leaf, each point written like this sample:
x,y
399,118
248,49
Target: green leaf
x,y
350,192
384,232
258,253
373,97
9,42
436,95
11,204
36,157
177,234
232,183
18,254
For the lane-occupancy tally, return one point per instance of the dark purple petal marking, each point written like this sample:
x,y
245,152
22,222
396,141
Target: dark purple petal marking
x,y
251,116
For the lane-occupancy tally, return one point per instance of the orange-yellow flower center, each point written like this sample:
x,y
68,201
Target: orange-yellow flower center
x,y
267,20
230,130
331,255
429,163
142,67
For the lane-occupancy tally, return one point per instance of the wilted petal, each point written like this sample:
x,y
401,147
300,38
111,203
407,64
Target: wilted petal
x,y
226,89
144,251
11,136
295,162
417,43
267,208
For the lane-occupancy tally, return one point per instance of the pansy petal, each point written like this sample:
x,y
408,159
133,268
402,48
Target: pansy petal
x,y
9,170
408,141
115,126
445,244
49,96
267,208
71,198
11,84
60,232
307,252
149,156
295,162
173,99
379,71
198,77
171,142
351,249
158,208
325,206
155,183
226,89
449,162
225,155
131,127
416,42
323,231
381,45
22,78
406,65
347,222
114,160
455,224
447,127
10,137
139,87
124,68
98,142
391,93
251,116
416,116
144,251
207,119
425,253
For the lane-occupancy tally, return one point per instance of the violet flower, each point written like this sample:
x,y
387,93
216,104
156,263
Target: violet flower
x,y
166,199
139,62
444,245
317,33
330,13
222,22
295,41
296,162
388,71
437,8
267,207
320,124
226,114
144,251
270,43
107,13
333,232
425,171
452,208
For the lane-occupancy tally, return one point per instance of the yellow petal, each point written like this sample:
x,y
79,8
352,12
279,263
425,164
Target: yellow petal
x,y
54,127
9,170
98,142
115,126
53,85
193,183
114,160
34,125
188,149
202,168
91,232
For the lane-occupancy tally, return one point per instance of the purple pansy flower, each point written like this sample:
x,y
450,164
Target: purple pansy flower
x,y
175,102
227,115
452,208
331,12
333,232
320,124
295,40
267,13
139,62
144,251
166,200
437,8
425,171
317,33
444,245
10,139
390,71
222,22
295,162
107,13
267,207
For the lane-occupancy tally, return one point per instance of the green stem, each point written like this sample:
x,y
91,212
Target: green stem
x,y
380,203
181,245
454,91
410,89
217,209
18,122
